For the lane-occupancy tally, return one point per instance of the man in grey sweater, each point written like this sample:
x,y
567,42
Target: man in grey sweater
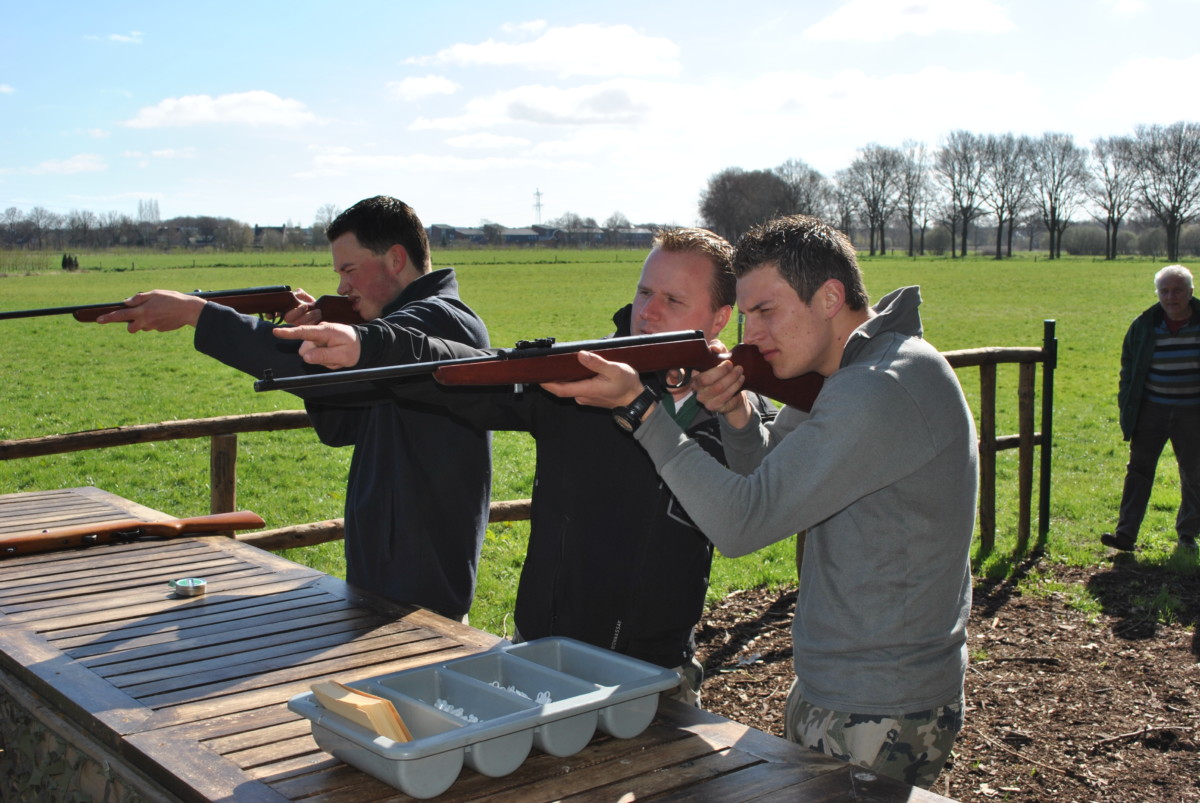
x,y
882,473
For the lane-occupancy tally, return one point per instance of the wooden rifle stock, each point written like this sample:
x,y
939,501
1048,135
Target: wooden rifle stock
x,y
269,302
689,355
124,532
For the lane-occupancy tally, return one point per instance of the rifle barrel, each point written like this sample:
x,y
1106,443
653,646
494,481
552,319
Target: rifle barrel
x,y
72,310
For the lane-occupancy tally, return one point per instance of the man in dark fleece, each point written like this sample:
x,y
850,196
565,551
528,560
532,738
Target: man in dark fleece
x,y
418,492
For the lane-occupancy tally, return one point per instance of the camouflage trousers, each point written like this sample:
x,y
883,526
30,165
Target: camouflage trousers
x,y
910,747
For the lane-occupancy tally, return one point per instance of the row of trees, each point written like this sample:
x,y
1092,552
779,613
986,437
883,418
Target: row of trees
x,y
1003,179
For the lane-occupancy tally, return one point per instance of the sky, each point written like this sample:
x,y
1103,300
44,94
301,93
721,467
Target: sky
x,y
517,112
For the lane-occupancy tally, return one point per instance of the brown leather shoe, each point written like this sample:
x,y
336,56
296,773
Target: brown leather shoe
x,y
1122,542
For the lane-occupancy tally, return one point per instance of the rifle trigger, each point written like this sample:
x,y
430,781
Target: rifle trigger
x,y
685,377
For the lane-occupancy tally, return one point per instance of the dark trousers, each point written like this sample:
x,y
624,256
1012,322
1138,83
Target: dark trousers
x,y
1156,424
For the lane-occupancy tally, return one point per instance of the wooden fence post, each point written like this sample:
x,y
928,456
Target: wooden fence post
x,y
987,457
1049,363
222,473
1027,372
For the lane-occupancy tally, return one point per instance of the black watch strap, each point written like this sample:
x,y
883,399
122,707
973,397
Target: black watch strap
x,y
629,417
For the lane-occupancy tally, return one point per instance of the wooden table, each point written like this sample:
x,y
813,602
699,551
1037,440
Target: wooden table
x,y
117,687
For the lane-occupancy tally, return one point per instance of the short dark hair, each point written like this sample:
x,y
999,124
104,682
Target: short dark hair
x,y
379,223
723,288
807,252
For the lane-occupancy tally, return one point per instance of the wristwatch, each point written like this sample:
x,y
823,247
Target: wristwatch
x,y
629,417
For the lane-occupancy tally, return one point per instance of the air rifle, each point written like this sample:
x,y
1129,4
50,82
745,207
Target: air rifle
x,y
122,532
537,361
269,302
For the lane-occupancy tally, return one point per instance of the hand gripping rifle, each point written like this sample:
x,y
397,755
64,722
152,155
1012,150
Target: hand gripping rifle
x,y
537,361
267,302
123,532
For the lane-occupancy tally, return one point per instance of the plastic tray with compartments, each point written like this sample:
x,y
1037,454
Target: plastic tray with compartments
x,y
489,710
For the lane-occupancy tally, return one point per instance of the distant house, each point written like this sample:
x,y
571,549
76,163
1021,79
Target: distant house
x,y
519,236
273,237
440,234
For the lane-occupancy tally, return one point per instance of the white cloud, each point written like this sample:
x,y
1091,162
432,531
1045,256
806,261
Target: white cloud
x,y
1126,8
254,108
417,88
532,26
594,50
610,102
483,141
80,163
1150,84
5,89
343,164
174,153
880,20
131,38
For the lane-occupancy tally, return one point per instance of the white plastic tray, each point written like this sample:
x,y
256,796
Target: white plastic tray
x,y
488,710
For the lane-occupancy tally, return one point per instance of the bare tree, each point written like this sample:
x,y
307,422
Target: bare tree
x,y
325,216
913,193
43,222
1113,185
1168,175
843,202
874,179
958,168
614,226
570,224
81,223
736,199
1060,174
148,211
1005,184
809,189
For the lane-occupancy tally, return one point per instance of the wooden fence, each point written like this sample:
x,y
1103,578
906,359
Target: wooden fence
x,y
223,432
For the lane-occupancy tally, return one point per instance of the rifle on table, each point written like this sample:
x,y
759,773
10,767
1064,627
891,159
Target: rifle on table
x,y
123,532
268,302
537,361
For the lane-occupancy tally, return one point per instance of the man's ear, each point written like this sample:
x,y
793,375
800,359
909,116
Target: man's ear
x,y
396,259
721,318
833,297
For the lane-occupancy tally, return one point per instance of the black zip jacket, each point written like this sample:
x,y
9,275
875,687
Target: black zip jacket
x,y
613,560
419,488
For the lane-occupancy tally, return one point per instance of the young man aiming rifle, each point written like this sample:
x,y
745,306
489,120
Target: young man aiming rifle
x,y
881,473
613,559
419,487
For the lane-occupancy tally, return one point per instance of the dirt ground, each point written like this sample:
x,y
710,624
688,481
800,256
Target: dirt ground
x,y
1060,705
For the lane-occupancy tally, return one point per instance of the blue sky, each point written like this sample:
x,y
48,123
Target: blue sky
x,y
265,111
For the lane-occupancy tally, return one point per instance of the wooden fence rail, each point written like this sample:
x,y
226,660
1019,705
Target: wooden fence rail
x,y
223,432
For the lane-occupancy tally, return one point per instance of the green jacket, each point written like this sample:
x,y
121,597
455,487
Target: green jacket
x,y
1136,353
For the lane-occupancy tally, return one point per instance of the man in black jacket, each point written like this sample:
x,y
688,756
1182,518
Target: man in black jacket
x,y
613,560
418,492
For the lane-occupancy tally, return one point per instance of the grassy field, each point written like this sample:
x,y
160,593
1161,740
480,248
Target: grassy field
x,y
62,376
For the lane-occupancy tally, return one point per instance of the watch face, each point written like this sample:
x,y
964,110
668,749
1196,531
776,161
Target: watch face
x,y
623,422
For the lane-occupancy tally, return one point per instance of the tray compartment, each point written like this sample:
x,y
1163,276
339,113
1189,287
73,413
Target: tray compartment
x,y
494,755
566,724
639,681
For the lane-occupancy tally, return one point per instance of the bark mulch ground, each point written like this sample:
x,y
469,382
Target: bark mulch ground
x,y
1061,704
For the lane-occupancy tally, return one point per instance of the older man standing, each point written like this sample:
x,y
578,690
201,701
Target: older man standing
x,y
1159,398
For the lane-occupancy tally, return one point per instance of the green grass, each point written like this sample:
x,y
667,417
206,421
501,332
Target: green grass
x,y
63,376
